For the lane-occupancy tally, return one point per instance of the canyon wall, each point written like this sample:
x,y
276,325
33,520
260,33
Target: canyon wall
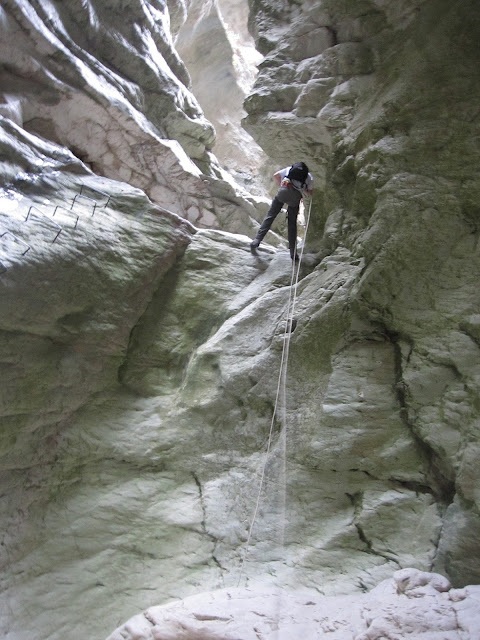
x,y
140,353
104,80
220,56
380,100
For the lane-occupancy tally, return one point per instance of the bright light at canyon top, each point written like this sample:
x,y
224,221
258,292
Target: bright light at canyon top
x,y
220,55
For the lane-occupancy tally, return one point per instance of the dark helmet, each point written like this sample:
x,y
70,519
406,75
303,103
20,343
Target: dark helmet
x,y
301,165
298,171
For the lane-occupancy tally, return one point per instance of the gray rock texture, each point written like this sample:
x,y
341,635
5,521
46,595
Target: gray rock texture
x,y
154,444
220,56
379,99
104,80
412,604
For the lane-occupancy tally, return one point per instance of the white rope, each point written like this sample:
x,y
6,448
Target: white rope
x,y
281,385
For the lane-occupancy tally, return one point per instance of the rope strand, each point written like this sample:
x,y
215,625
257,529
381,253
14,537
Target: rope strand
x,y
281,385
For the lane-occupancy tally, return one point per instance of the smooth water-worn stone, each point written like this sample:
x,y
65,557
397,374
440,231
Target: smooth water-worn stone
x,y
222,75
393,188
412,603
153,416
142,379
105,81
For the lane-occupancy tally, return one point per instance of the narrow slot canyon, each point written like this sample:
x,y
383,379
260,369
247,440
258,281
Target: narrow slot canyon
x,y
204,441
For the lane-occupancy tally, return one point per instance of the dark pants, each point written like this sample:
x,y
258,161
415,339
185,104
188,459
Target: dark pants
x,y
292,213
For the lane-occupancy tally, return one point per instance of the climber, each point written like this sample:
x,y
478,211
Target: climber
x,y
294,183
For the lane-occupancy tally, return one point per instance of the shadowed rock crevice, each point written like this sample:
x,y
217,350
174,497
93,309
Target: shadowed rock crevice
x,y
214,540
441,478
139,356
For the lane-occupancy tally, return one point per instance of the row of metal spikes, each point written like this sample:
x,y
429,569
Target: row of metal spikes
x,y
34,212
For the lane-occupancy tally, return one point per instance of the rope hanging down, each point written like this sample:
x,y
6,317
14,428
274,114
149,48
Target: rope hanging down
x,y
282,382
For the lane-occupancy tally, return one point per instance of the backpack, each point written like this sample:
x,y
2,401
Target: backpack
x,y
298,171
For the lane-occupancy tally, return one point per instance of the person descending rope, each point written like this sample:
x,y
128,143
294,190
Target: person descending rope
x,y
279,404
293,181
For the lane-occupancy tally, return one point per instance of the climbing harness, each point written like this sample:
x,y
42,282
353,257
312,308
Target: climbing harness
x,y
281,385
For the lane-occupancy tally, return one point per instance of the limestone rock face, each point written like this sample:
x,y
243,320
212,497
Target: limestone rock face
x,y
170,425
378,98
219,54
104,80
412,604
